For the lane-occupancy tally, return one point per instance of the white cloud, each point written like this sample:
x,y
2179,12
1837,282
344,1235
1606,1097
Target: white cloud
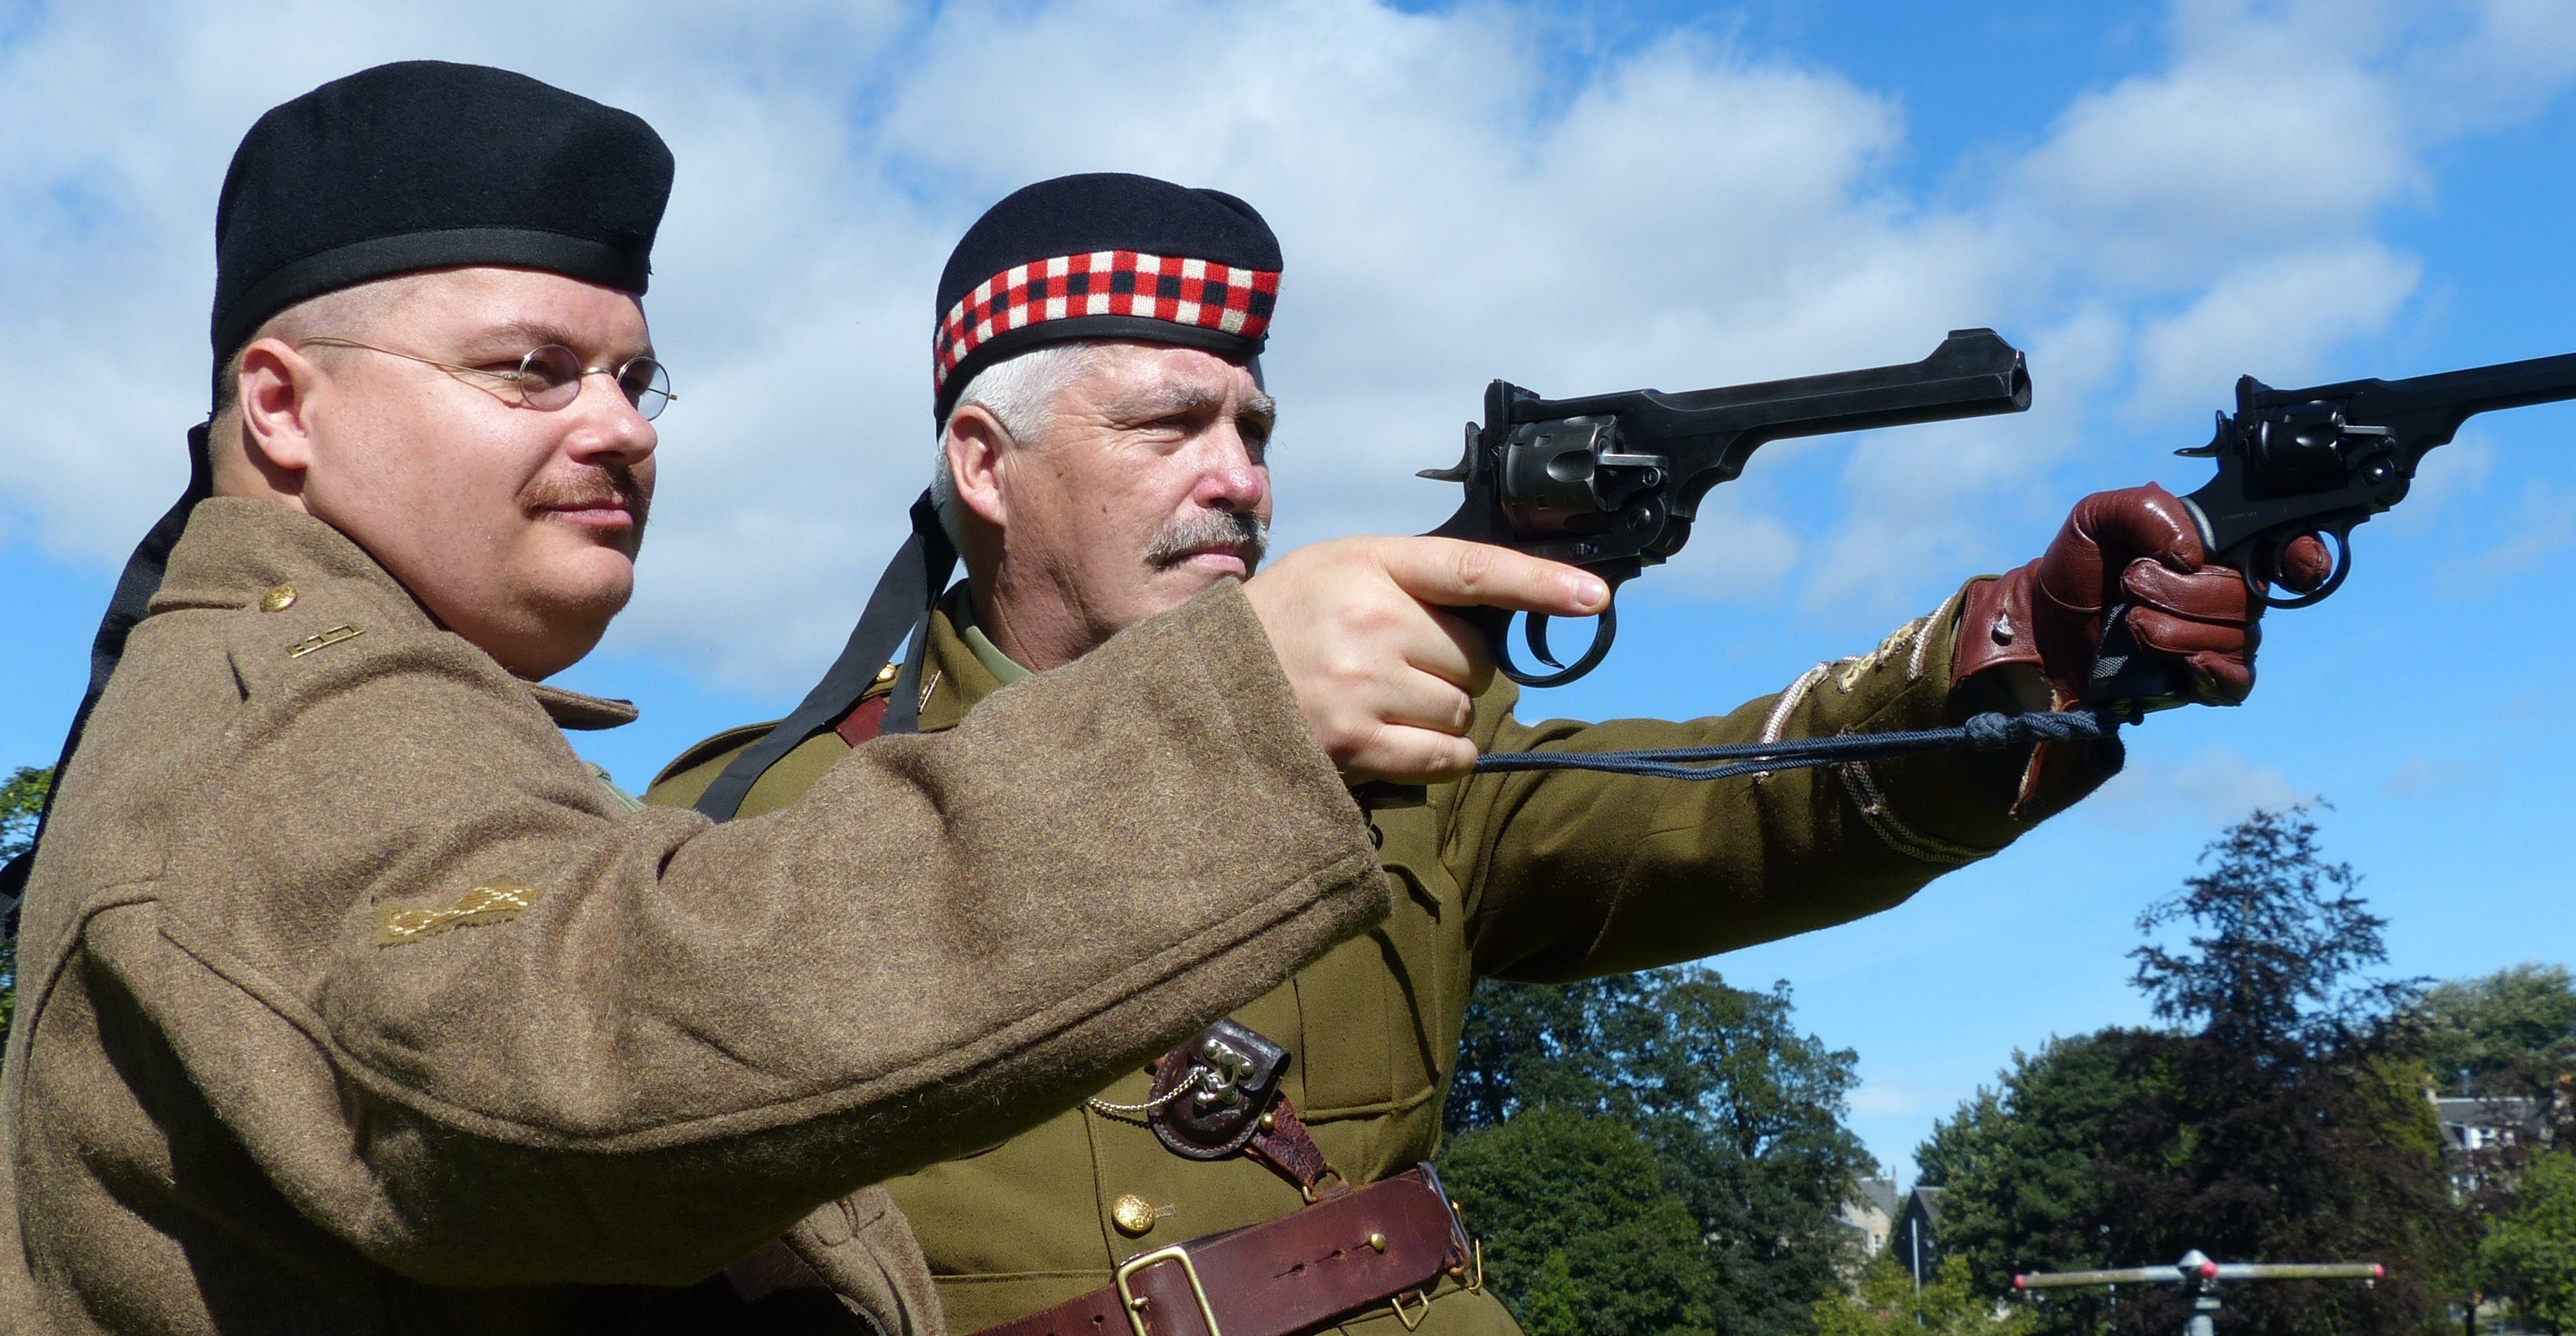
x,y
2447,478
2515,56
1897,1099
2259,135
2216,788
2281,316
2539,527
1736,551
2421,776
1455,206
1964,496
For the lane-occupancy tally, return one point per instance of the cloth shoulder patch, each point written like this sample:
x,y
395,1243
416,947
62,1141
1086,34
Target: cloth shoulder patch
x,y
496,901
324,639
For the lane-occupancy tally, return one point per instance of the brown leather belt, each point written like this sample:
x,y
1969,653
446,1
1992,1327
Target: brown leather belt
x,y
1347,1252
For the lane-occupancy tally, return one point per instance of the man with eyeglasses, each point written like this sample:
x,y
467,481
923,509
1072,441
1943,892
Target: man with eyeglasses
x,y
351,1001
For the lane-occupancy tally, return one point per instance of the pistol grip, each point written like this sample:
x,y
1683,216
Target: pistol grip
x,y
2127,680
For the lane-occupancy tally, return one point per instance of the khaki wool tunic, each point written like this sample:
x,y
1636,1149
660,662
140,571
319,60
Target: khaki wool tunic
x,y
352,1002
1544,877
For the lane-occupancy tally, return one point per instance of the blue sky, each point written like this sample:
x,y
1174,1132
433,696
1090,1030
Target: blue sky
x,y
2149,198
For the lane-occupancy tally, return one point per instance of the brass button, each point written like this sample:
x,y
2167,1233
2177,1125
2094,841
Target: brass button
x,y
1270,1122
886,674
1378,1242
278,599
1133,1215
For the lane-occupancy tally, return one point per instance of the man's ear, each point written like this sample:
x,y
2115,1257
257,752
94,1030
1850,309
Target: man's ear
x,y
274,393
976,443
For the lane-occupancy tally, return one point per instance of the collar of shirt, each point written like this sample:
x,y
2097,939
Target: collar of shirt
x,y
961,615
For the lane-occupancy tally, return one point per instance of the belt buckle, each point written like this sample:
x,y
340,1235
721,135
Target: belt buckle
x,y
1459,1240
1134,1303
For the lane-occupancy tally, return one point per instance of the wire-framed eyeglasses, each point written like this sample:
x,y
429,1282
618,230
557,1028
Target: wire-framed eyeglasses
x,y
549,378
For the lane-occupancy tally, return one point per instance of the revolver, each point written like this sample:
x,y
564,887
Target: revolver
x,y
1611,482
2316,461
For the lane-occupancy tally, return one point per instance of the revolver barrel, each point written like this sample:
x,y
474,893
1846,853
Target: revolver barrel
x,y
1612,481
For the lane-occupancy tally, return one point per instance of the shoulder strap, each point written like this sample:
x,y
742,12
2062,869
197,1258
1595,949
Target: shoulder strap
x,y
899,611
135,587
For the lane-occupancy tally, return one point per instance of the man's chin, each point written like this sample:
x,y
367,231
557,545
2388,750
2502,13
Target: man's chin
x,y
1173,585
589,587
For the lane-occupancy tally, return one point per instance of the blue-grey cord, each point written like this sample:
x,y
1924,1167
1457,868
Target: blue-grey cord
x,y
1981,732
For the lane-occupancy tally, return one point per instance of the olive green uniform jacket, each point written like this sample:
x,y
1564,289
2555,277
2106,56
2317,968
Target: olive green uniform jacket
x,y
352,1002
1542,877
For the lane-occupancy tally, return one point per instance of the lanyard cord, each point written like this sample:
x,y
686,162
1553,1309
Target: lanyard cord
x,y
1981,732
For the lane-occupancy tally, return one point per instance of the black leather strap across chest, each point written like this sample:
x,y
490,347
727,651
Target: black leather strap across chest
x,y
897,616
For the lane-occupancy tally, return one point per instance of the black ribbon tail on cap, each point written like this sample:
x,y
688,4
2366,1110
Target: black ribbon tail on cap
x,y
134,590
898,614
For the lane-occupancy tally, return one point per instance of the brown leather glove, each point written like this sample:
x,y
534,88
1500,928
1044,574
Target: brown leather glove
x,y
2135,547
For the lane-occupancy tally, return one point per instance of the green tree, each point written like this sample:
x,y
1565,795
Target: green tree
x,y
22,800
1888,1304
2021,1189
2280,1118
1581,1234
1532,1045
2529,1254
1740,1112
2283,1121
2476,1030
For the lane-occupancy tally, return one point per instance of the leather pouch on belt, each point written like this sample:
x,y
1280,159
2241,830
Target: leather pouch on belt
x,y
1232,1071
1218,1095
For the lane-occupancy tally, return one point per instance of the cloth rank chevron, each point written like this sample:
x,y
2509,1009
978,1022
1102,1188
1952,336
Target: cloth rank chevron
x,y
1131,283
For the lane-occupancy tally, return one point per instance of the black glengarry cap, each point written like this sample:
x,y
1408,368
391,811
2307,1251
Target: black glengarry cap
x,y
423,165
1104,255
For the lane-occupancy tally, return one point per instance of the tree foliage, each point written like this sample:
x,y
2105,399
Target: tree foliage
x,y
2512,1033
22,800
1888,1304
1739,1112
2278,937
2021,1189
1576,1217
2280,1119
2529,1256
2287,1123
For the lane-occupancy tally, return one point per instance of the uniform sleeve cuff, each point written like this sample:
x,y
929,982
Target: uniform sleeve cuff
x,y
1950,807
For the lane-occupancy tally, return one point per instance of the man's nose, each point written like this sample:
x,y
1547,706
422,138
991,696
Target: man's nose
x,y
611,430
1231,480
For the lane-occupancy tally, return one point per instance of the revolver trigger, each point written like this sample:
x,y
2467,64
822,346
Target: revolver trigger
x,y
1604,631
1534,630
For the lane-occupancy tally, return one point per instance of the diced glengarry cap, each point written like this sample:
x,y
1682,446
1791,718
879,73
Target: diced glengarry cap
x,y
1104,255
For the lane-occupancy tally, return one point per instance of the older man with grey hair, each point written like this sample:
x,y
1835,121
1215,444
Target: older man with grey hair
x,y
1103,457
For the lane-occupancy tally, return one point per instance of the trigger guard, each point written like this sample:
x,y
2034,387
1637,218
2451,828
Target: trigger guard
x,y
2342,568
1605,629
